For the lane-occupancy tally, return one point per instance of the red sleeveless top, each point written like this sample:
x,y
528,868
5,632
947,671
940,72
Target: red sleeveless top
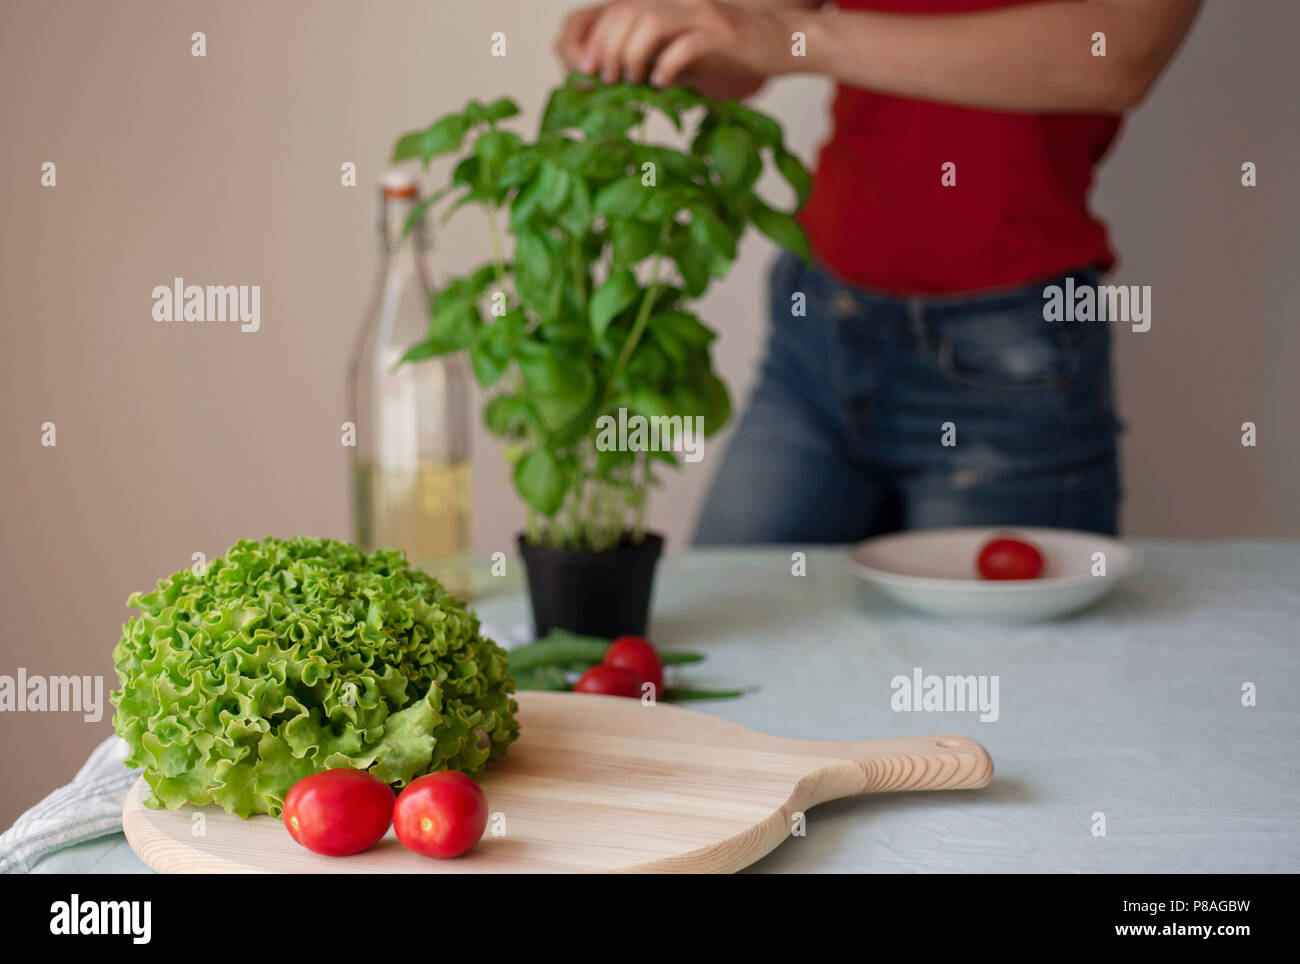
x,y
880,215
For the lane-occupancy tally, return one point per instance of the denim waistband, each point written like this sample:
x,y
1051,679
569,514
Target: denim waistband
x,y
847,300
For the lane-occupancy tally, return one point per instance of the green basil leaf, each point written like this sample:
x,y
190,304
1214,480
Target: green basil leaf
x,y
426,349
488,356
617,294
562,388
708,387
613,95
417,213
519,168
633,240
556,411
688,401
796,175
607,460
575,218
505,415
454,294
665,104
494,148
707,230
685,166
648,365
683,328
695,263
456,324
407,146
700,142
599,160
525,205
610,122
670,346
735,157
537,274
501,109
540,481
647,403
464,290
444,137
685,98
780,227
552,187
565,108
566,332
482,277
625,198
664,203
467,172
765,130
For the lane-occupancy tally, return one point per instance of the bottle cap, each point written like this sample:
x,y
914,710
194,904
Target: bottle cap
x,y
397,184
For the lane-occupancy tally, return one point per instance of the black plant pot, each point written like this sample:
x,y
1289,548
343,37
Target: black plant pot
x,y
593,593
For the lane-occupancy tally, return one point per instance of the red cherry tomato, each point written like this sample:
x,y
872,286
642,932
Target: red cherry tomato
x,y
1009,559
441,815
338,812
610,680
634,653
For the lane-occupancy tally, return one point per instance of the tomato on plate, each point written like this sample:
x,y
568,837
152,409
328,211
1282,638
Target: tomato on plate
x,y
1007,558
338,812
634,653
610,680
443,814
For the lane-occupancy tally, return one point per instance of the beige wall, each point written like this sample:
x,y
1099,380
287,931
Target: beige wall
x,y
226,169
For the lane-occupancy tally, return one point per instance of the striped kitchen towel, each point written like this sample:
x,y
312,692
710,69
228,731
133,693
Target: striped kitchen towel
x,y
88,807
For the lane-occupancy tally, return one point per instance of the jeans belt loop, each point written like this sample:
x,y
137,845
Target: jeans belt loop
x,y
917,323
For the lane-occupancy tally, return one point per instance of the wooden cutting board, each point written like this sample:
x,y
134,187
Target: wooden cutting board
x,y
599,783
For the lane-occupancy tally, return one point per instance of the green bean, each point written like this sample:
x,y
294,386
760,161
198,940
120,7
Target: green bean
x,y
557,647
675,657
674,694
541,678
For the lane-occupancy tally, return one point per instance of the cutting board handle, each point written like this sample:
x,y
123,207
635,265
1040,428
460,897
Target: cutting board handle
x,y
947,761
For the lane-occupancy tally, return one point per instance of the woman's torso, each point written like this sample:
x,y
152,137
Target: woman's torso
x,y
881,215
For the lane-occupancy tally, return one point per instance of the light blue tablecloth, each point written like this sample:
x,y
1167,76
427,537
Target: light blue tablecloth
x,y
1132,710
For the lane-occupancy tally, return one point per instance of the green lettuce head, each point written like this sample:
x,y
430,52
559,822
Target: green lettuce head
x,y
287,657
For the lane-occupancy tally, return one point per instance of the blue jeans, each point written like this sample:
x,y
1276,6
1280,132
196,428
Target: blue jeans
x,y
876,412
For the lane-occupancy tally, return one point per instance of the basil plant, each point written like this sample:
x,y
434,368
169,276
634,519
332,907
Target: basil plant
x,y
587,312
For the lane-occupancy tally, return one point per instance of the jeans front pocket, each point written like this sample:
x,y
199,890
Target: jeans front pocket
x,y
1016,351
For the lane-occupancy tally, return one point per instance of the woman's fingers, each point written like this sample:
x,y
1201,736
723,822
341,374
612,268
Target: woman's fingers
x,y
573,36
683,51
605,45
650,33
630,39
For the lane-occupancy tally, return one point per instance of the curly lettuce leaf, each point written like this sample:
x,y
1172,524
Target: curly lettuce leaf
x,y
287,657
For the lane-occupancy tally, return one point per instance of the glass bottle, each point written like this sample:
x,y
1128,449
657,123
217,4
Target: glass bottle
x,y
410,463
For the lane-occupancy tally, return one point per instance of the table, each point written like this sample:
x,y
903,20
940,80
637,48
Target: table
x,y
1133,710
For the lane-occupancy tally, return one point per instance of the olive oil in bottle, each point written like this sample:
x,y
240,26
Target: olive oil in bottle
x,y
410,463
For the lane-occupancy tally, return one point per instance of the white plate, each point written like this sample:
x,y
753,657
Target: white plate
x,y
933,570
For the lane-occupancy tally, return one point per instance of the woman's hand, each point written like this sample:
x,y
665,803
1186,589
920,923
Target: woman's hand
x,y
1033,57
671,40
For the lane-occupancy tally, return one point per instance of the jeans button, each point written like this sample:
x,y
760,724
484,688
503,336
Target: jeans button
x,y
843,304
